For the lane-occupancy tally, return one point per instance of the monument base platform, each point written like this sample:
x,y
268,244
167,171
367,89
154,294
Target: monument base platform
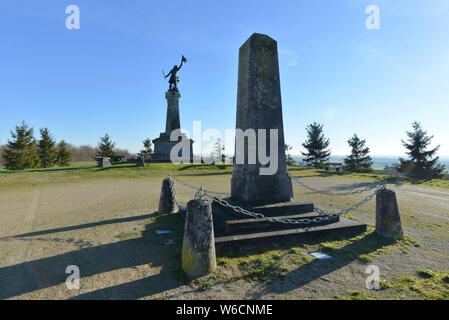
x,y
163,147
234,229
345,227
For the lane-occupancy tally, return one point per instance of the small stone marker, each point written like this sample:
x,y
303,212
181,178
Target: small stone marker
x,y
141,162
167,202
198,249
388,220
105,162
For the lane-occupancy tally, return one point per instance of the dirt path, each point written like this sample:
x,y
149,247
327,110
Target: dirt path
x,y
107,228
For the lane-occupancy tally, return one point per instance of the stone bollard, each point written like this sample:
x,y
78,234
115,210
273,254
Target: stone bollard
x,y
388,220
104,162
198,249
167,202
141,162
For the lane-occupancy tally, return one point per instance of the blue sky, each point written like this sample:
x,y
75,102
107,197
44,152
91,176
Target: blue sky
x,y
106,77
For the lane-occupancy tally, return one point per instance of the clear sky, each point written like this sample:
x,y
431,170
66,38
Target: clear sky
x,y
106,77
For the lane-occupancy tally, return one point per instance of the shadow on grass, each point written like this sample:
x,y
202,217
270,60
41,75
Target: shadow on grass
x,y
43,170
316,269
114,167
150,249
416,181
325,174
82,226
153,249
348,187
205,167
369,241
205,174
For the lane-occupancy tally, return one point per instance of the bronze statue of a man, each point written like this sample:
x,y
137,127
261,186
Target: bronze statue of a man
x,y
173,81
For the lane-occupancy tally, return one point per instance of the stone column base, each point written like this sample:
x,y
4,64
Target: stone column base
x,y
252,188
163,147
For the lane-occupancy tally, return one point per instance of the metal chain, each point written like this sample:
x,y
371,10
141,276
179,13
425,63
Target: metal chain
x,y
191,186
349,193
323,215
257,215
355,206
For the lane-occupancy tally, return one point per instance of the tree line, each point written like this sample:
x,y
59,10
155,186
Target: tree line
x,y
421,163
24,151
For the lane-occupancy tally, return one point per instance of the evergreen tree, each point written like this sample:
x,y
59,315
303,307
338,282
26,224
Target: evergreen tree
x,y
316,145
1,158
359,160
106,146
147,150
289,159
46,148
20,152
420,163
63,157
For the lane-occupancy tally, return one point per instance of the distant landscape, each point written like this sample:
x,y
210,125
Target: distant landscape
x,y
379,162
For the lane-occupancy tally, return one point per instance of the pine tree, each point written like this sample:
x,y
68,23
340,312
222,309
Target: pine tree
x,y
420,163
316,145
1,158
46,148
63,157
106,146
359,160
147,150
20,152
289,159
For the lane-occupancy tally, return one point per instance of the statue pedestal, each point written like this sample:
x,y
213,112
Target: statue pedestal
x,y
163,145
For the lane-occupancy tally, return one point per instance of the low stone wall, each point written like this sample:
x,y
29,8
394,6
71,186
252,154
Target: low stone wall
x,y
387,172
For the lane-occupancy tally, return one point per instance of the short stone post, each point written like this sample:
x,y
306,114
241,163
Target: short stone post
x,y
198,249
141,162
388,220
167,202
104,162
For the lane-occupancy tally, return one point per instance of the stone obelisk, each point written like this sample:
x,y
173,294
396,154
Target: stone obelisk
x,y
259,106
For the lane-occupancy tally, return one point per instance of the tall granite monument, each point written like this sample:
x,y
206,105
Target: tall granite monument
x,y
269,196
259,106
163,145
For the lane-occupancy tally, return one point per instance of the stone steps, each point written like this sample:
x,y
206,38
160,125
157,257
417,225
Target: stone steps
x,y
233,229
294,207
236,222
236,229
344,226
